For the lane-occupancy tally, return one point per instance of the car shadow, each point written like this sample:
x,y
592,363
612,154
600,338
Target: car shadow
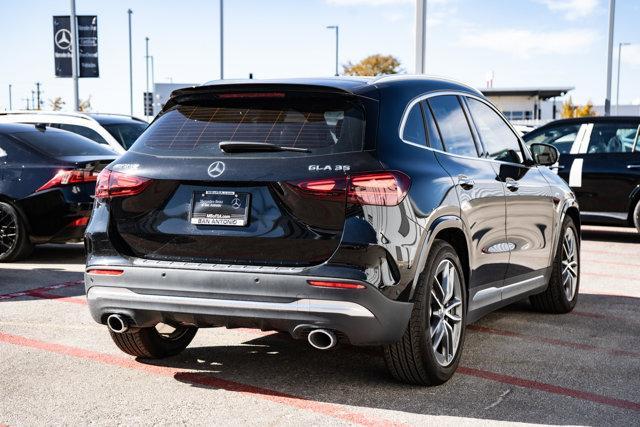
x,y
618,235
276,364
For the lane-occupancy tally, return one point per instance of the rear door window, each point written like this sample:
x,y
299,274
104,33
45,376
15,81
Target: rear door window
x,y
324,125
432,129
414,126
613,137
499,140
452,123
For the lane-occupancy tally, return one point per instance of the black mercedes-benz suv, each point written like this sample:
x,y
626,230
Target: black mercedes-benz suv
x,y
389,211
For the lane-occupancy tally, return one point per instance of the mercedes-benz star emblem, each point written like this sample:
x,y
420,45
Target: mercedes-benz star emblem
x,y
235,203
215,169
63,39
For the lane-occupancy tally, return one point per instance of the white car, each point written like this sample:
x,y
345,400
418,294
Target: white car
x,y
117,131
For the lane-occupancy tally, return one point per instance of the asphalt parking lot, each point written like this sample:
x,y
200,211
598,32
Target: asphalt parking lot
x,y
59,367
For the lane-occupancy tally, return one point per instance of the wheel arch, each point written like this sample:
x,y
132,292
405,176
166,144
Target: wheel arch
x,y
451,229
634,199
18,208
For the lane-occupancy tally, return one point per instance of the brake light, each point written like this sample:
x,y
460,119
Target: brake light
x,y
68,177
335,285
241,95
116,184
371,188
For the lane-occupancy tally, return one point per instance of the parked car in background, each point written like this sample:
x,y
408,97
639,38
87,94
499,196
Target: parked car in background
x,y
389,211
47,182
116,131
600,159
523,129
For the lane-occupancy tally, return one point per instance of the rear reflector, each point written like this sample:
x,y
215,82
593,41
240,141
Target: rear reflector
x,y
337,285
105,272
371,188
80,222
69,177
116,184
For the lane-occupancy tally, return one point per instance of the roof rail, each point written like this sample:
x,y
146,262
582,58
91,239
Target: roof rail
x,y
50,112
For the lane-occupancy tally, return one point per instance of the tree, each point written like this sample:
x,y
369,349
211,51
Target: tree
x,y
570,110
56,103
85,105
586,110
373,65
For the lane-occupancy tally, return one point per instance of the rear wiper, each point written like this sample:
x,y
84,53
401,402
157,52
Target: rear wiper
x,y
244,147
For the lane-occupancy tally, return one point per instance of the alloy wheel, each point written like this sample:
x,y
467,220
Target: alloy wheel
x,y
445,317
8,231
569,263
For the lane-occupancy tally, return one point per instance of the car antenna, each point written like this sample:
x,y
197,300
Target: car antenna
x,y
41,126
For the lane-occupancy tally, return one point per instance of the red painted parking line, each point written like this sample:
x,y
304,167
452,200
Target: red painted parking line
x,y
61,298
552,341
41,289
328,409
550,388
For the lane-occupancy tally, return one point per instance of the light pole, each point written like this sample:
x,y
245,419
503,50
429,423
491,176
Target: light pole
x,y
221,39
10,104
74,55
129,12
618,79
146,62
421,35
335,27
612,18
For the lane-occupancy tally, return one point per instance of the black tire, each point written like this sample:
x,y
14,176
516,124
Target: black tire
x,y
148,343
14,238
636,216
413,359
554,299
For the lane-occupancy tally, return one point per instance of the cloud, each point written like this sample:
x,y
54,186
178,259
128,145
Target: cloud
x,y
631,55
526,43
572,9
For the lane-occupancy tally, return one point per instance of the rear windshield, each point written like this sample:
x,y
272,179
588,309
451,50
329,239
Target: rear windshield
x,y
126,133
62,143
319,124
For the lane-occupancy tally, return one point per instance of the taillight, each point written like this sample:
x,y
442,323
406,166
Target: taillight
x,y
379,189
68,177
371,188
116,184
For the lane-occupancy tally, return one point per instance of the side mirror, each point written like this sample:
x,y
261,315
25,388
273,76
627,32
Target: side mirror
x,y
544,154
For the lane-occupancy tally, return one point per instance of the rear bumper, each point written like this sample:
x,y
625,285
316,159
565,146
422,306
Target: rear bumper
x,y
264,300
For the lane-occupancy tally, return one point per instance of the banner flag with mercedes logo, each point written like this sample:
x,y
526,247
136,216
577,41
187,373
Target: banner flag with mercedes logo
x,y
87,28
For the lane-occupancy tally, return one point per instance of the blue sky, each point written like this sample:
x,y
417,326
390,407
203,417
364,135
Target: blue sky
x,y
523,42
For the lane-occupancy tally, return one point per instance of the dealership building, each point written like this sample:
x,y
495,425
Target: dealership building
x,y
532,104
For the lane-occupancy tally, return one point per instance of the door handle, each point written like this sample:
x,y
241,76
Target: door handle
x,y
466,182
512,184
633,166
556,167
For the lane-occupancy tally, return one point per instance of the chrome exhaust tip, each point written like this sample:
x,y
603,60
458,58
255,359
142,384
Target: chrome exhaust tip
x,y
322,339
117,323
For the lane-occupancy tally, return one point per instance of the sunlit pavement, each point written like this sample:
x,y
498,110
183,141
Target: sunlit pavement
x,y
59,367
